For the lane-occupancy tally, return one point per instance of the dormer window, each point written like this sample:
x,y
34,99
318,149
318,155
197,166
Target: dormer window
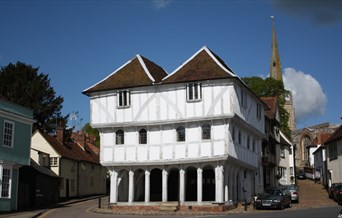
x,y
123,98
194,91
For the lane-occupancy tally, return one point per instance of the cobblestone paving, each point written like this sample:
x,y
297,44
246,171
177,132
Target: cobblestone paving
x,y
311,195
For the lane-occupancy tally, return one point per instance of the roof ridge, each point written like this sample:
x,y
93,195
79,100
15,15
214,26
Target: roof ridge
x,y
142,62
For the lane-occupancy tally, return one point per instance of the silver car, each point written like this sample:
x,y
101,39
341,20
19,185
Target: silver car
x,y
294,192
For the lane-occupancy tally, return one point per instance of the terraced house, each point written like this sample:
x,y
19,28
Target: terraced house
x,y
15,141
192,136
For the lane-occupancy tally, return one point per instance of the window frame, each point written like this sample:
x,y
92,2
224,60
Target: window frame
x,y
181,136
206,131
8,134
53,161
193,92
332,151
243,98
282,151
119,137
258,112
123,98
7,182
142,136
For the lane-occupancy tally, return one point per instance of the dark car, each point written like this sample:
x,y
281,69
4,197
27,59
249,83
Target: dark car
x,y
274,198
301,175
337,193
332,188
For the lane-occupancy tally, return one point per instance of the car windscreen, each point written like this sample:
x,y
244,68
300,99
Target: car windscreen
x,y
275,192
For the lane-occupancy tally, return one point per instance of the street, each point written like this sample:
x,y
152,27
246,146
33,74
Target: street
x,y
314,202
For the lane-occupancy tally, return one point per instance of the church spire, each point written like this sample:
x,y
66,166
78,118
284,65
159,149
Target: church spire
x,y
275,67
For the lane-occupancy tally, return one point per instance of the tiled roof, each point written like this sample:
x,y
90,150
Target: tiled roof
x,y
271,102
72,150
204,65
137,72
335,136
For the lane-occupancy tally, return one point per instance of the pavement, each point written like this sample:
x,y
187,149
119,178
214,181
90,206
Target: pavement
x,y
38,212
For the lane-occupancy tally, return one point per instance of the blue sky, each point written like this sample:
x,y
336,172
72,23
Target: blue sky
x,y
78,43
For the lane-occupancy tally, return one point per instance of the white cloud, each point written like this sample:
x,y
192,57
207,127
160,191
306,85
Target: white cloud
x,y
308,97
160,4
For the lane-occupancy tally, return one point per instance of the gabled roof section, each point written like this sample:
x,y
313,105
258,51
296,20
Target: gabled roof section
x,y
335,136
271,103
71,150
135,73
284,140
203,65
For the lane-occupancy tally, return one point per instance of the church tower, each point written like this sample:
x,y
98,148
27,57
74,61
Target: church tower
x,y
275,73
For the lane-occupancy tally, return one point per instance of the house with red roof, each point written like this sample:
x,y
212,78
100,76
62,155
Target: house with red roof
x,y
192,136
75,163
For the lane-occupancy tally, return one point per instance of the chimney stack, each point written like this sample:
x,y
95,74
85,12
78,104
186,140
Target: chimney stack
x,y
60,134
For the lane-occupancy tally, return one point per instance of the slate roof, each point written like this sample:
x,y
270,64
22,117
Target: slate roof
x,y
203,65
135,73
72,150
271,103
335,136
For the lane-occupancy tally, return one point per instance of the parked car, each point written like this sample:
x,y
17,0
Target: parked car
x,y
337,193
332,188
301,175
294,192
274,198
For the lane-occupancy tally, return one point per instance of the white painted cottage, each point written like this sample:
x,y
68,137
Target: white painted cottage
x,y
192,136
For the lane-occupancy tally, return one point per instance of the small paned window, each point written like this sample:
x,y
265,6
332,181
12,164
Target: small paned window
x,y
120,137
5,183
233,134
143,136
258,112
253,145
332,151
124,98
194,91
206,131
53,161
239,137
282,151
243,99
8,134
248,145
180,134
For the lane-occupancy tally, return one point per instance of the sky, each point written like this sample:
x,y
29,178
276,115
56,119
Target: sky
x,y
78,43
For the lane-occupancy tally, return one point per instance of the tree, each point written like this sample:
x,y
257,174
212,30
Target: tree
x,y
270,87
91,131
22,84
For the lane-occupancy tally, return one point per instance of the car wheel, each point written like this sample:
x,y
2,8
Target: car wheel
x,y
290,205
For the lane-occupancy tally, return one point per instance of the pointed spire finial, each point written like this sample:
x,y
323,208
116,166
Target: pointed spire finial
x,y
275,67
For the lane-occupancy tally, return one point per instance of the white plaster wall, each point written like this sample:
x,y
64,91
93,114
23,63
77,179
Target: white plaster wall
x,y
335,165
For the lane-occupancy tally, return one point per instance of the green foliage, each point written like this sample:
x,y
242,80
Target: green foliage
x,y
91,131
20,83
270,87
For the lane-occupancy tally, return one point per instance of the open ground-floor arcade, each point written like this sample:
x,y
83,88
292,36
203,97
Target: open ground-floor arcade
x,y
191,183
